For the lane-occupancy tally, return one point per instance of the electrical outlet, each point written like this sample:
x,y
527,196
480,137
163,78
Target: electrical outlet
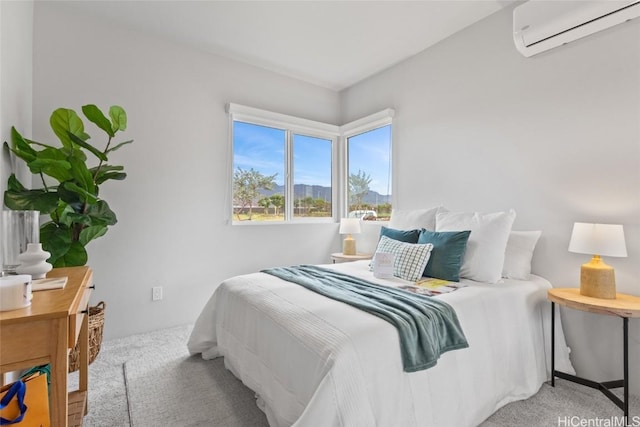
x,y
156,293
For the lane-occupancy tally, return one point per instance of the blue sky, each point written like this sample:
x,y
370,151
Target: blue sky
x,y
370,152
263,149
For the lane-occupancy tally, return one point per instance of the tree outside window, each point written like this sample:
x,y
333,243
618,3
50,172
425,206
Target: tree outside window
x,y
369,172
271,164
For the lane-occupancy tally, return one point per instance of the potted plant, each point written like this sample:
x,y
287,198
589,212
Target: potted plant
x,y
69,193
70,188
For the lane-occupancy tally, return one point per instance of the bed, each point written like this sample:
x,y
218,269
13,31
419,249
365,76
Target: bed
x,y
315,361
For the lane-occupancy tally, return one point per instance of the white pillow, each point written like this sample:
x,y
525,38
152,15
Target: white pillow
x,y
414,219
518,255
410,259
484,257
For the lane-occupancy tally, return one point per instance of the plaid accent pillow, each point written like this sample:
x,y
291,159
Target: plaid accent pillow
x,y
410,259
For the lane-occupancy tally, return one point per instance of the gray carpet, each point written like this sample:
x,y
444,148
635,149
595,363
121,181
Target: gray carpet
x,y
178,390
150,380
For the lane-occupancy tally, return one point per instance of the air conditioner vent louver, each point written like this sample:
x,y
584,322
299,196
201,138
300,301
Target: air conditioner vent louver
x,y
542,25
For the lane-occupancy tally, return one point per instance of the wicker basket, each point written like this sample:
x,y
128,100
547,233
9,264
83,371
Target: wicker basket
x,y
96,325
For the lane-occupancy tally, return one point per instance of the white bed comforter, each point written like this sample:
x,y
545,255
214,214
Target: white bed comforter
x,y
313,361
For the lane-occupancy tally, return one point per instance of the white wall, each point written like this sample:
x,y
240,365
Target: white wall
x,y
173,205
555,136
16,48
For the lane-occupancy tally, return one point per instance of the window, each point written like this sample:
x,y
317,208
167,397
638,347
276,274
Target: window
x,y
287,169
312,173
283,167
368,167
369,174
258,172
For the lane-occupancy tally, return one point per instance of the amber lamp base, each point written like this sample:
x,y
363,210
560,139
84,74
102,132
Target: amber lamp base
x,y
349,245
597,279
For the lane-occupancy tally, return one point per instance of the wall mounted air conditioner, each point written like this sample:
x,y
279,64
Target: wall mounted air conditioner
x,y
540,25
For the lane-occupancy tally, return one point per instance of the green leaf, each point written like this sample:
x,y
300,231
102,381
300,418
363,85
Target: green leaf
x,y
99,154
74,151
101,214
118,118
36,200
83,178
94,114
79,218
108,172
69,196
75,256
32,142
118,176
93,232
52,162
21,147
114,148
14,184
106,168
64,121
58,169
84,195
63,213
56,239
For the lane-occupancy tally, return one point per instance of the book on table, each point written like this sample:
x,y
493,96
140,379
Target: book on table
x,y
48,283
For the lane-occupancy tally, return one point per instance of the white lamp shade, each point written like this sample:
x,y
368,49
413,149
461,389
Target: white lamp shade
x,y
349,226
598,239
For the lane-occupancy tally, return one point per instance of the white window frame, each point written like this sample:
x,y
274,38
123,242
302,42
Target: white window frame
x,y
291,125
338,136
354,128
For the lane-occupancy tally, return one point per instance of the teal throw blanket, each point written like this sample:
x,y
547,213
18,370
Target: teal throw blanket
x,y
427,327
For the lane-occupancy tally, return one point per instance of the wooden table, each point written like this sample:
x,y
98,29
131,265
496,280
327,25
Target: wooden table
x,y
44,333
624,306
339,257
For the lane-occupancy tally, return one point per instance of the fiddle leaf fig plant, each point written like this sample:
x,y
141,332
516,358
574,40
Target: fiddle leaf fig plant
x,y
70,188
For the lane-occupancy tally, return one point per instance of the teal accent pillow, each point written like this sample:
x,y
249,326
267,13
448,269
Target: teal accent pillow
x,y
447,253
407,236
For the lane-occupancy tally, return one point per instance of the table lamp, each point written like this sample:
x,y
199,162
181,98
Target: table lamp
x,y
349,226
597,279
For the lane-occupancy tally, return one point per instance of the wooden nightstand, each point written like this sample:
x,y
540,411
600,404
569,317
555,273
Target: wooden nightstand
x,y
624,306
339,257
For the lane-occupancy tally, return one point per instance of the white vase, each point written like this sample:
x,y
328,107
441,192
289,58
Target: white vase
x,y
33,261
